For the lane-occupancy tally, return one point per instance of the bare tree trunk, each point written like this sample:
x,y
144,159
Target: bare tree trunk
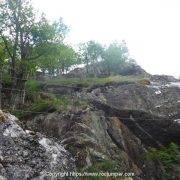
x,y
18,87
18,96
13,89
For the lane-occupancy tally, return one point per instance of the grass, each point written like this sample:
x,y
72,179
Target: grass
x,y
33,86
169,157
36,103
105,166
88,82
42,105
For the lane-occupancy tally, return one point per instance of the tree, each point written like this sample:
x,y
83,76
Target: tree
x,y
67,58
115,58
26,39
59,61
91,53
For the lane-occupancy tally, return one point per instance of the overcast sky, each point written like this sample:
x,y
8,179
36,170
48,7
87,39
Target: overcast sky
x,y
151,28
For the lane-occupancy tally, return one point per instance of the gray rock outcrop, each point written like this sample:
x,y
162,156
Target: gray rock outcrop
x,y
29,155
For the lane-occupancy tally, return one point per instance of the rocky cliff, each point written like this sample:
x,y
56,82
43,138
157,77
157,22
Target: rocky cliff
x,y
113,132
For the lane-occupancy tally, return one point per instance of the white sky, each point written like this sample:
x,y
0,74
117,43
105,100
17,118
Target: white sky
x,y
151,28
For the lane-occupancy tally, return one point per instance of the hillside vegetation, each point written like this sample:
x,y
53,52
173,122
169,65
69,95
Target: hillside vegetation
x,y
80,108
88,82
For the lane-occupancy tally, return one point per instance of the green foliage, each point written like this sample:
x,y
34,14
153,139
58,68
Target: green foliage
x,y
168,156
26,39
80,103
88,82
3,54
41,105
115,58
23,38
19,114
37,107
6,80
33,86
91,52
29,43
61,30
60,103
111,60
60,59
105,166
67,58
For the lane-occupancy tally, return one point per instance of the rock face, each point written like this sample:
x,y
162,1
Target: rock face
x,y
163,78
28,155
92,138
132,69
157,99
120,124
153,108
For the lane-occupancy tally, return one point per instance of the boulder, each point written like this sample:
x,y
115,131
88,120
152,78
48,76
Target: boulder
x,y
26,155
